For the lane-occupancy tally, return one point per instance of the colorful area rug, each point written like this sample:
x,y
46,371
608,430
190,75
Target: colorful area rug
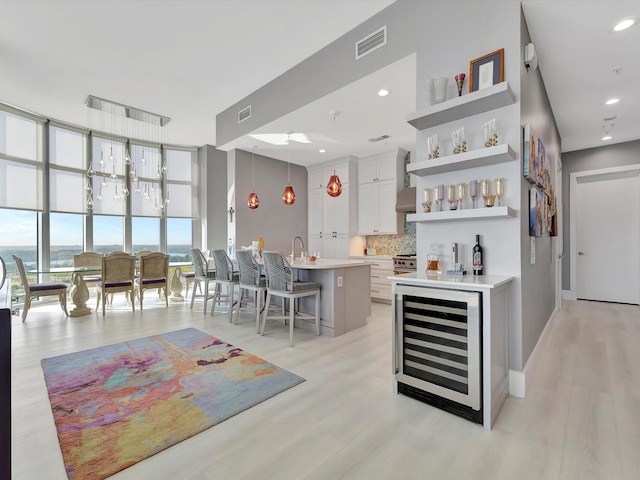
x,y
116,405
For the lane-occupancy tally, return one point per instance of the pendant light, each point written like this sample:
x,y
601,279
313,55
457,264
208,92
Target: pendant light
x,y
254,201
334,187
288,196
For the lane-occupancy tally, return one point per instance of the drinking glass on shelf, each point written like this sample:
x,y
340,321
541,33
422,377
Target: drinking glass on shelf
x,y
426,204
440,194
473,192
461,192
451,197
435,199
499,189
485,188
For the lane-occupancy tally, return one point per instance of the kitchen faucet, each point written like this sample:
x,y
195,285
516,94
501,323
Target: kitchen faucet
x,y
293,247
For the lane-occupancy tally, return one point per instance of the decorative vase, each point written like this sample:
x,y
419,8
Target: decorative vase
x,y
429,92
460,82
441,89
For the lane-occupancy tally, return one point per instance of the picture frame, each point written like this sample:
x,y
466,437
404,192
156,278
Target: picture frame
x,y
486,71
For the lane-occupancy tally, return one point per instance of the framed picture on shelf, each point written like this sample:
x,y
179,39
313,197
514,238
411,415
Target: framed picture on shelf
x,y
486,70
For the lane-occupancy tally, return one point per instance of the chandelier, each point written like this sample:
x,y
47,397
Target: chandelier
x,y
122,165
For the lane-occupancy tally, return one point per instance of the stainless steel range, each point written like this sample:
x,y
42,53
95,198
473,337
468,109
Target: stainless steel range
x,y
404,263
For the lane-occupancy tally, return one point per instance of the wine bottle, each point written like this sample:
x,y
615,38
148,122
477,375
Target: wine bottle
x,y
477,257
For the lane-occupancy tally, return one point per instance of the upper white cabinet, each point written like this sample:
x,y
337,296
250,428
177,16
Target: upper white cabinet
x,y
380,178
318,177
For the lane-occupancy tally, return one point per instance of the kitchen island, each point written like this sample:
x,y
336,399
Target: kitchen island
x,y
345,301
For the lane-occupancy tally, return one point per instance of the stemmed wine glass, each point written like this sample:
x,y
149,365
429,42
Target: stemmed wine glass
x,y
426,205
499,189
436,198
485,186
473,187
451,197
461,192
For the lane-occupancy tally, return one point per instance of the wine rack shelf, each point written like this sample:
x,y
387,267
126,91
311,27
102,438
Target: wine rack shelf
x,y
468,214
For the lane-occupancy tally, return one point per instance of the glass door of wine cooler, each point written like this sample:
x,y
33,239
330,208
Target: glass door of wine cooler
x,y
437,346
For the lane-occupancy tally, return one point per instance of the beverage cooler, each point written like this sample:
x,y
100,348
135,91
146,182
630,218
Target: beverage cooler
x,y
437,348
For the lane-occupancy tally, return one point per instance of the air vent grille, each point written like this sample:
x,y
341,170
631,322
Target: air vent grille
x,y
371,42
378,139
244,114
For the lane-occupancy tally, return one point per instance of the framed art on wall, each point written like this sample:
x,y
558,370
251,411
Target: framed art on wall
x,y
486,70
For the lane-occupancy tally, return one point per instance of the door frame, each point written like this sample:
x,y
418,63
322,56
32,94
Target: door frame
x,y
573,194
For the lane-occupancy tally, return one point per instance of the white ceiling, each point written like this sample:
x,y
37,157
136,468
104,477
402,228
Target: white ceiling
x,y
190,60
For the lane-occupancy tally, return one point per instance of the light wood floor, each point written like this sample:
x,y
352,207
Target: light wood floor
x,y
580,420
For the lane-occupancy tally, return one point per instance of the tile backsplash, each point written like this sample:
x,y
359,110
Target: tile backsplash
x,y
394,244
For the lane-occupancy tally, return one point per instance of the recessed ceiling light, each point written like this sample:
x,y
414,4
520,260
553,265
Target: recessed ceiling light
x,y
611,101
383,92
607,137
624,24
322,150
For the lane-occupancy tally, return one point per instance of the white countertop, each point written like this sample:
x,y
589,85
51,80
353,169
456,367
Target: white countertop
x,y
326,264
371,257
469,280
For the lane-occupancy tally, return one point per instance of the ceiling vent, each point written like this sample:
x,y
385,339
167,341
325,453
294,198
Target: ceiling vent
x,y
244,114
371,42
378,139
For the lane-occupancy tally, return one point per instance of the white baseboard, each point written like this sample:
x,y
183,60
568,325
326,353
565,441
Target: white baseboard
x,y
517,383
517,379
569,295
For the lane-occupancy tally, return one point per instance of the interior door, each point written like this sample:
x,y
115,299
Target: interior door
x,y
608,238
558,239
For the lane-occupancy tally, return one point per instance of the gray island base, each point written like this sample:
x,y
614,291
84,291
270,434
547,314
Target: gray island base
x,y
345,301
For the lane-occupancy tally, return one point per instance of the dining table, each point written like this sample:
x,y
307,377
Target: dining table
x,y
79,292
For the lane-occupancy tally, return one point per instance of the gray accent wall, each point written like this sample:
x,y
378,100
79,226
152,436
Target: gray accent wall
x,y
618,155
276,222
213,198
538,280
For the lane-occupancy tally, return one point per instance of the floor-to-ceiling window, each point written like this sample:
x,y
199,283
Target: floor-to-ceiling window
x,y
21,174
105,193
182,206
67,194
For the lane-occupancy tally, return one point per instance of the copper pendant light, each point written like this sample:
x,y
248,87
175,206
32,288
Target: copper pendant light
x,y
334,187
288,196
254,201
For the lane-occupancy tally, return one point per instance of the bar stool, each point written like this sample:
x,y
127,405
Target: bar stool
x,y
280,283
250,279
202,275
224,276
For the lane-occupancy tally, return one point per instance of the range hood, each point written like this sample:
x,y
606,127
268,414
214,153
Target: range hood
x,y
406,202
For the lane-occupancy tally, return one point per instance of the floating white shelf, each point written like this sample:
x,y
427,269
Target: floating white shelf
x,y
461,161
468,214
480,101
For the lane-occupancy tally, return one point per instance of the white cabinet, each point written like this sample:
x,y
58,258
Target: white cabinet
x,y
380,178
380,283
381,167
318,177
316,214
332,221
335,217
